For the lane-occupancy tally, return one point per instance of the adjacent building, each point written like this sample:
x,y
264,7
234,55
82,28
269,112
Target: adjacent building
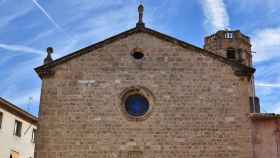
x,y
17,131
144,94
266,135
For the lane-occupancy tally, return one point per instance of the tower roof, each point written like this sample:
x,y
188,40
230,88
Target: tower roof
x,y
239,34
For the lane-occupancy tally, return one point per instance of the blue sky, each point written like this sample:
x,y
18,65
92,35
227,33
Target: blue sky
x,y
28,27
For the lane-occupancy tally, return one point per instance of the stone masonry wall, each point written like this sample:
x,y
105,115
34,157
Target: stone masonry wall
x,y
266,138
200,108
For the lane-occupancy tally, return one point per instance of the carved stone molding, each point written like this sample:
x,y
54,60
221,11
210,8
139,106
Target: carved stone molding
x,y
46,73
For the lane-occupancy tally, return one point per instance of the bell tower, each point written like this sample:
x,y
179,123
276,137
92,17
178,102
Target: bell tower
x,y
230,44
237,47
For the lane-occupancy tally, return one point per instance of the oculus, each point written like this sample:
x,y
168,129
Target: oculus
x,y
137,102
136,105
138,55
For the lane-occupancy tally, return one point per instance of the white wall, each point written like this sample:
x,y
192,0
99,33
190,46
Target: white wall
x,y
9,142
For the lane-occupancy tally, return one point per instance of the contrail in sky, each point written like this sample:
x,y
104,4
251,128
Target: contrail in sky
x,y
272,85
52,20
20,48
48,16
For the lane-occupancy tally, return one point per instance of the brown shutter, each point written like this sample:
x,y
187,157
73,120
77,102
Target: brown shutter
x,y
1,118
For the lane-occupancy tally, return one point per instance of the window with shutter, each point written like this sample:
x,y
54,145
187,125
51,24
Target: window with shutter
x,y
17,128
1,119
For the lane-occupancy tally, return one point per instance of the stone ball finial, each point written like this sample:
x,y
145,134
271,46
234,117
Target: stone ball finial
x,y
141,14
141,8
50,50
48,59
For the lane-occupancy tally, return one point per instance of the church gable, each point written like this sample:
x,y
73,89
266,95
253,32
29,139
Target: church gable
x,y
142,50
240,69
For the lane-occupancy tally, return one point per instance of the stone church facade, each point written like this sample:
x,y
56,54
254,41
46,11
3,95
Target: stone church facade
x,y
144,94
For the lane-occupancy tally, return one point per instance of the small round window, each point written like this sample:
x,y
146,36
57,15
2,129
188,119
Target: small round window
x,y
138,55
137,102
136,105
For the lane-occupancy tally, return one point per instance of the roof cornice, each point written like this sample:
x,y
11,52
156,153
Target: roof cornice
x,y
264,116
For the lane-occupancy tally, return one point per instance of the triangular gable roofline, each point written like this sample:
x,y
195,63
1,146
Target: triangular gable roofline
x,y
241,69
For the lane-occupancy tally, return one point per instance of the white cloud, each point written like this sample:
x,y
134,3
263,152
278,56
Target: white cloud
x,y
20,48
266,43
269,85
216,14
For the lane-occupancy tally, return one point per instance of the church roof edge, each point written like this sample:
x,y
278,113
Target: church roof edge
x,y
264,116
42,69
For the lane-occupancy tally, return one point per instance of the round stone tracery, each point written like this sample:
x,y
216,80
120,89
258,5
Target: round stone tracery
x,y
136,103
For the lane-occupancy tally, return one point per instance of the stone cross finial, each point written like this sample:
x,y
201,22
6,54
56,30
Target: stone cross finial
x,y
49,59
141,14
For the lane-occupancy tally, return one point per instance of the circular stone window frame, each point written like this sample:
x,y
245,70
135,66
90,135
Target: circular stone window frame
x,y
137,54
137,90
